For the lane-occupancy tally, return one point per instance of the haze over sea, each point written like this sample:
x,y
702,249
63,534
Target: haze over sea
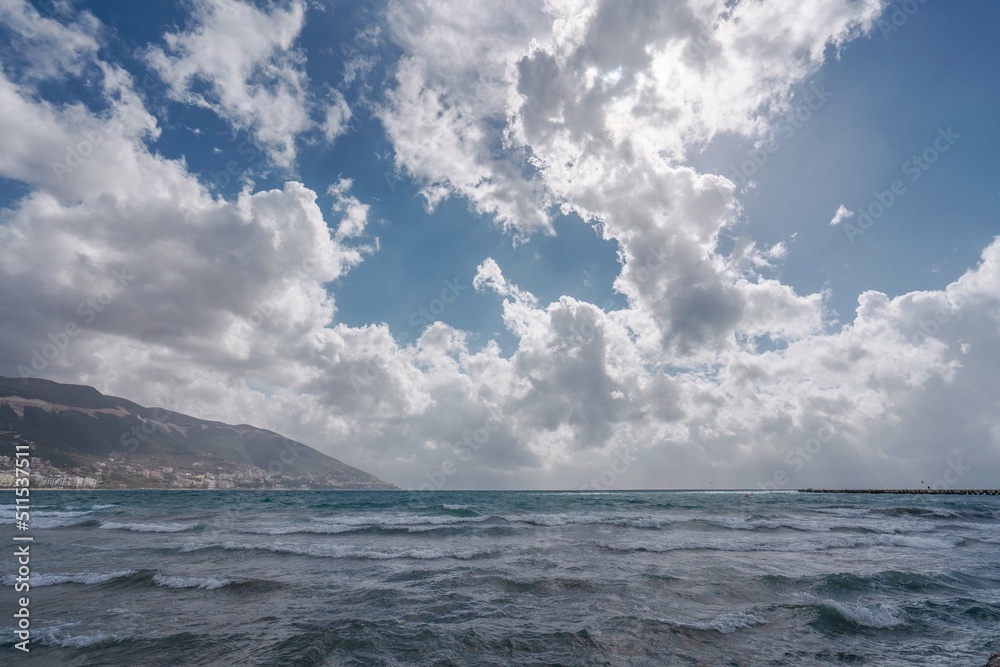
x,y
499,578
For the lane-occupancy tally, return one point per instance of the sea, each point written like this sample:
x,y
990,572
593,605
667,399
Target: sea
x,y
505,578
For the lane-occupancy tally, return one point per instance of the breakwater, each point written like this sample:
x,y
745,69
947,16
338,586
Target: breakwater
x,y
929,492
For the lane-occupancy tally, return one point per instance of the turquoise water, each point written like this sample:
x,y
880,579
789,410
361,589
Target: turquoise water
x,y
501,578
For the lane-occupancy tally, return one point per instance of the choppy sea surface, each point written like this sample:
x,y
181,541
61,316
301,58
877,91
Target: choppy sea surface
x,y
506,578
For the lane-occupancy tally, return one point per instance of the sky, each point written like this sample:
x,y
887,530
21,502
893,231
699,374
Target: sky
x,y
600,244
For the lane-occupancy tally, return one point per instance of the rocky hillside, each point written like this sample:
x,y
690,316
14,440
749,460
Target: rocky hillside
x,y
79,431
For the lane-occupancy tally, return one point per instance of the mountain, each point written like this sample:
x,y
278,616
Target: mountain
x,y
78,433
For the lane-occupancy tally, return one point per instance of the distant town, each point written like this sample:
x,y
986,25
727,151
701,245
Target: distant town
x,y
126,472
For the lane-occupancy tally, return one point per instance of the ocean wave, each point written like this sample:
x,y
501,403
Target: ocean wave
x,y
204,583
739,523
924,512
885,527
920,542
891,581
727,623
47,523
347,524
537,586
834,615
89,578
452,508
337,529
801,545
91,508
461,517
152,527
292,530
58,637
47,519
326,550
548,520
60,514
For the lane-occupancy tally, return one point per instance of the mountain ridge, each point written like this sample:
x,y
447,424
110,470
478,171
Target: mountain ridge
x,y
80,433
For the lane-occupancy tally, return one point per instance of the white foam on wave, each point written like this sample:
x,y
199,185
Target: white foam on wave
x,y
86,509
347,524
423,523
731,545
824,525
89,578
729,622
453,508
920,542
59,514
292,529
44,519
643,521
45,523
785,544
151,527
389,521
58,637
740,523
204,583
326,550
881,616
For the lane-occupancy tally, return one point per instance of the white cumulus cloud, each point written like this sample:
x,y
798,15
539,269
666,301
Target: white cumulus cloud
x,y
842,213
712,371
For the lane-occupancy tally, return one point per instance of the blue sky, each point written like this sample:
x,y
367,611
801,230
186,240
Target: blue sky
x,y
419,250
891,91
531,189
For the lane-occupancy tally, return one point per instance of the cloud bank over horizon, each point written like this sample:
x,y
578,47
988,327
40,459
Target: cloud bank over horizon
x,y
126,267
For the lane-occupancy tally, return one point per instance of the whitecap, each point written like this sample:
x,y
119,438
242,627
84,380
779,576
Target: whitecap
x,y
90,578
881,616
323,550
204,583
729,622
151,527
